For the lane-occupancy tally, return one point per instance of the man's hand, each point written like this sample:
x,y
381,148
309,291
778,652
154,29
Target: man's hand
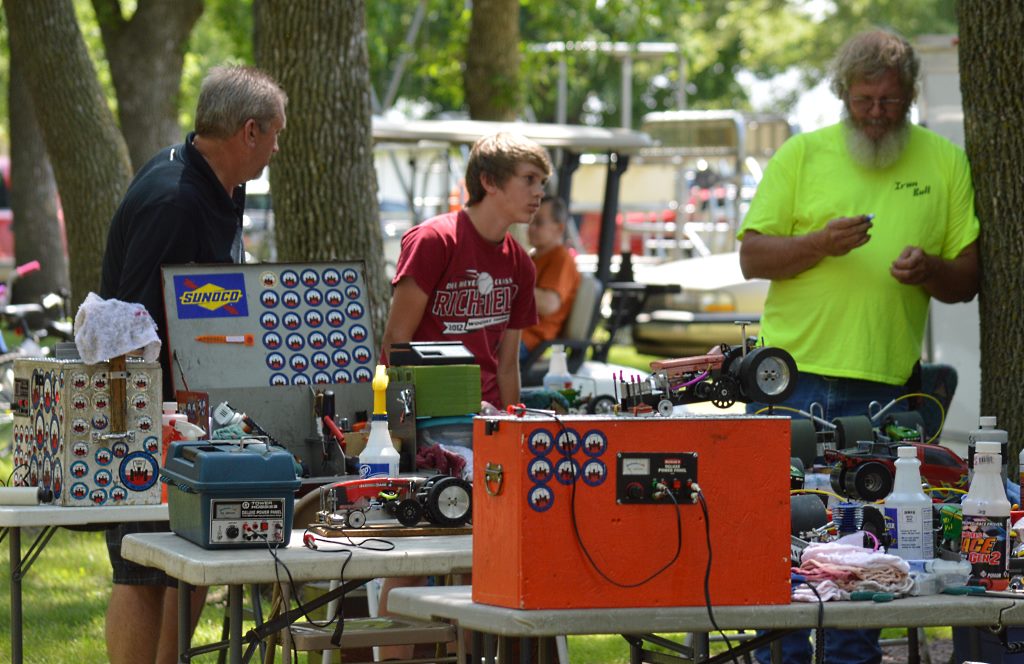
x,y
843,235
783,257
912,267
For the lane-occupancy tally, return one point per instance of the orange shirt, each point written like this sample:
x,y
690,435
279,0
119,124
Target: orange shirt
x,y
556,270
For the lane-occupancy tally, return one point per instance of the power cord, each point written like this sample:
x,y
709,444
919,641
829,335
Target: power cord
x,y
707,569
289,616
567,456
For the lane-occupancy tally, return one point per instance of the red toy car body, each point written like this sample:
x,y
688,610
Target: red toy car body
x,y
866,472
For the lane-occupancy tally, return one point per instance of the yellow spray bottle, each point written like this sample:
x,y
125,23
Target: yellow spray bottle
x,y
379,458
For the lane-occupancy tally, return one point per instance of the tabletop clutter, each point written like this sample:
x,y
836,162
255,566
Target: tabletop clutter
x,y
85,432
926,547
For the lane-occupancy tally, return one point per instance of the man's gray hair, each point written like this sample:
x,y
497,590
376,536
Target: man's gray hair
x,y
231,95
868,55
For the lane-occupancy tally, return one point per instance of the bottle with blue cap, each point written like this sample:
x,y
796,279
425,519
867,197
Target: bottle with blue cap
x,y
379,458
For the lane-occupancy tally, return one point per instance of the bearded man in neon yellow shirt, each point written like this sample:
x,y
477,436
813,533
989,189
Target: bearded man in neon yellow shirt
x,y
858,225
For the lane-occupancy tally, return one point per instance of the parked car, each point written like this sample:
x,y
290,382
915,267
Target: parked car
x,y
714,296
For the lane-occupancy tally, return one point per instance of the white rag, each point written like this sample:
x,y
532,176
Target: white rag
x,y
107,328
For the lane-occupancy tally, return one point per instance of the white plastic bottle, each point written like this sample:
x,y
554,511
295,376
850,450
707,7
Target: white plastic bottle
x,y
379,457
984,541
908,510
987,430
558,376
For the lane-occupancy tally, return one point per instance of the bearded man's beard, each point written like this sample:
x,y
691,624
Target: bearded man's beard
x,y
871,153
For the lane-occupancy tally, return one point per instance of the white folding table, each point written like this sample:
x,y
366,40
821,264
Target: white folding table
x,y
193,565
49,518
456,603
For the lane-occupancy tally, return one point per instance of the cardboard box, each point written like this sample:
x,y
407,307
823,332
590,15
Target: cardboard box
x,y
63,438
355,442
532,494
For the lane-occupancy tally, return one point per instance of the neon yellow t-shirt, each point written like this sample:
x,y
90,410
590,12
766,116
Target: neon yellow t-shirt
x,y
847,316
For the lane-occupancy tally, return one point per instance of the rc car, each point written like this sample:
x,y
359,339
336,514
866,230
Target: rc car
x,y
440,499
724,375
866,472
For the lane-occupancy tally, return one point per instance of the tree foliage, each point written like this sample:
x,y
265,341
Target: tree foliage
x,y
993,98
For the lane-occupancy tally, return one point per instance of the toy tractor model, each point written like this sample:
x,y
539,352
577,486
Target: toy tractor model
x,y
442,500
723,376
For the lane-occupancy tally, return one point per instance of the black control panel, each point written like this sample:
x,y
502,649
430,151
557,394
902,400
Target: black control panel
x,y
646,478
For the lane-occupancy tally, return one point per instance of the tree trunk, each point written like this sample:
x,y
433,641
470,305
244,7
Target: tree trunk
x,y
38,233
491,78
323,182
88,153
991,60
146,54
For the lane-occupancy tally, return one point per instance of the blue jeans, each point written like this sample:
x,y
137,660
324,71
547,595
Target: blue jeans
x,y
838,397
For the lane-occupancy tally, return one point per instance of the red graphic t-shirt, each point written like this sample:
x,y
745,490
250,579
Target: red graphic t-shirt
x,y
477,289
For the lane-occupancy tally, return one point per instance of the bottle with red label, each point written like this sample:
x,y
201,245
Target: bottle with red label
x,y
985,541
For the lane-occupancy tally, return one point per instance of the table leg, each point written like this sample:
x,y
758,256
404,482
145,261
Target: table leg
x,y
701,647
477,646
184,621
235,601
776,650
14,541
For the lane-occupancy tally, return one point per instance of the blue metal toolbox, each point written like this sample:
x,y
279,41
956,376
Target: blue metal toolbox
x,y
229,496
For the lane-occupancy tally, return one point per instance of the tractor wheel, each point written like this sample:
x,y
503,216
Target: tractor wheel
x,y
355,518
806,512
837,478
725,391
665,408
851,429
869,482
409,512
803,441
767,375
449,502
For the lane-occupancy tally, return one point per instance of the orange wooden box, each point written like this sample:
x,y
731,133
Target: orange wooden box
x,y
527,555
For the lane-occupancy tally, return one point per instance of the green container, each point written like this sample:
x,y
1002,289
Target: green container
x,y
442,390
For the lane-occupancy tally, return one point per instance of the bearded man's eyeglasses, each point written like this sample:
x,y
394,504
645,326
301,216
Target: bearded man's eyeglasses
x,y
867,103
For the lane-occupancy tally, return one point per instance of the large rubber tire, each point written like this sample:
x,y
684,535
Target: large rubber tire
x,y
803,441
767,375
869,482
806,512
837,478
409,512
851,429
449,502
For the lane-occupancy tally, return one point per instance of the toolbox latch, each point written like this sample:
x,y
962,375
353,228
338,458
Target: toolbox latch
x,y
494,477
